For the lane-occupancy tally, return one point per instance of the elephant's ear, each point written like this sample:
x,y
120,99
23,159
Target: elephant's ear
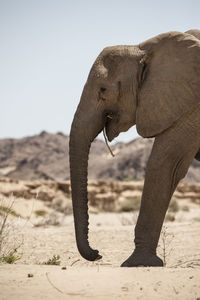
x,y
170,81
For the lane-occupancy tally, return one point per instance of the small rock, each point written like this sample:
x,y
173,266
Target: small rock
x,y
30,275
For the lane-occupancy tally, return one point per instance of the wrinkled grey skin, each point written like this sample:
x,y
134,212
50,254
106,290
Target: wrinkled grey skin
x,y
155,85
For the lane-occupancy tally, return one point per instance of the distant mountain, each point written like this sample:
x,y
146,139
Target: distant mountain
x,y
45,156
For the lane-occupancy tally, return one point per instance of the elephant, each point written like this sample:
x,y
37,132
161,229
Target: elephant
x,y
156,86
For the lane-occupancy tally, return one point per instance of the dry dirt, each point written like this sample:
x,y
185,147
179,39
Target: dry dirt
x,y
112,234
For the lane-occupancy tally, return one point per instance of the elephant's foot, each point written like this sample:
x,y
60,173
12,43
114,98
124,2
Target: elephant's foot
x,y
143,259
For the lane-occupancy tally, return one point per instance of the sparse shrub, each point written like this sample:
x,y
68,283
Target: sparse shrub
x,y
169,217
8,241
55,260
40,212
8,210
165,247
173,206
10,257
130,204
5,211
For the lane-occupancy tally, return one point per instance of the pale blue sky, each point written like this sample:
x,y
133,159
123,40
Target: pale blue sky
x,y
48,46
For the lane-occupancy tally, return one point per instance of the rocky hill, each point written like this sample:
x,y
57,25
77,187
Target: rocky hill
x,y
45,156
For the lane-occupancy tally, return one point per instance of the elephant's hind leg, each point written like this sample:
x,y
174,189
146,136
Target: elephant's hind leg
x,y
172,153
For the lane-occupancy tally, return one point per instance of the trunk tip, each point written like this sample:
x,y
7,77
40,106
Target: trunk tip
x,y
90,254
98,257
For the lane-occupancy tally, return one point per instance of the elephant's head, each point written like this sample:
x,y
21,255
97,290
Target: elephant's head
x,y
128,85
111,89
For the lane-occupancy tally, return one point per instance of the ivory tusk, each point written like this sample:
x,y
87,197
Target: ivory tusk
x,y
106,141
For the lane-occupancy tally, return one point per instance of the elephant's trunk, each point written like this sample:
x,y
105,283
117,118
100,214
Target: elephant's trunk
x,y
85,127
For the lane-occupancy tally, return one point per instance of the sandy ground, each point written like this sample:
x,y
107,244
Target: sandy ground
x,y
112,234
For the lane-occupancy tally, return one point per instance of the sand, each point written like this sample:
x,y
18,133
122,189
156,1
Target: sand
x,y
112,234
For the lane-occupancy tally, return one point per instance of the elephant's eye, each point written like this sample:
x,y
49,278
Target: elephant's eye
x,y
100,94
102,89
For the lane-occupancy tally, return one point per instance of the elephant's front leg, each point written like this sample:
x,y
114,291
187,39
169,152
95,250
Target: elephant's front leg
x,y
172,153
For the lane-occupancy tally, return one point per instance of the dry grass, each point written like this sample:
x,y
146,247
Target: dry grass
x,y
9,238
165,248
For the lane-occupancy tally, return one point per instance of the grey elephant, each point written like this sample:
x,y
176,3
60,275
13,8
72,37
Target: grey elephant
x,y
155,85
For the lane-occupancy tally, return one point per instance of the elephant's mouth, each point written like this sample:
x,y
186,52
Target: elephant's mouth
x,y
110,127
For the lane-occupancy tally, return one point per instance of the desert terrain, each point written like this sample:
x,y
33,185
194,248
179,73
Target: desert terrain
x,y
38,238
46,156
